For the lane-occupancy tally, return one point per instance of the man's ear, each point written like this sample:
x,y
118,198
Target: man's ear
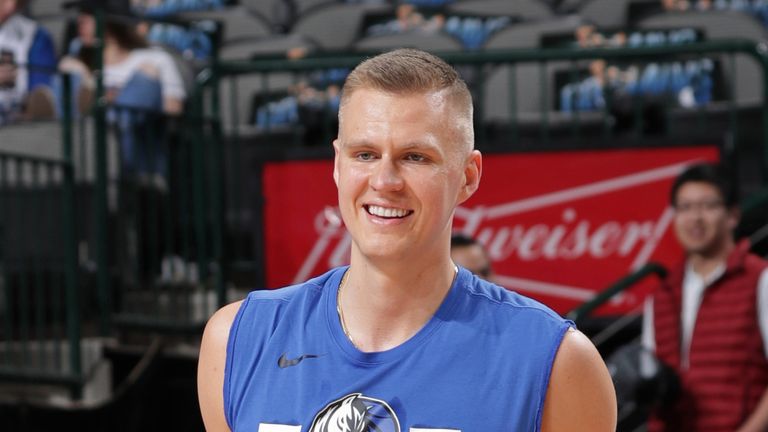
x,y
336,145
473,170
734,216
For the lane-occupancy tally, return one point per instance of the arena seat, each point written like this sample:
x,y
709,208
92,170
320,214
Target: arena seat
x,y
279,13
250,84
269,10
605,13
264,8
40,8
306,6
272,45
335,26
527,81
238,22
246,87
427,42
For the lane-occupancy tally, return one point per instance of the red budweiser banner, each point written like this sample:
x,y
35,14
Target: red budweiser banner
x,y
558,226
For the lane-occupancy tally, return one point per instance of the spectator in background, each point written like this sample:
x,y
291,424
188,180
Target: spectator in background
x,y
470,254
675,5
135,75
472,31
689,83
409,19
27,62
309,102
708,320
138,80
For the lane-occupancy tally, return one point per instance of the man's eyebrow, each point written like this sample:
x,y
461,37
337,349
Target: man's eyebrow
x,y
420,145
356,144
409,146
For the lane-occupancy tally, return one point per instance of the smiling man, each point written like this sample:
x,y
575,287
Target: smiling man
x,y
401,339
709,318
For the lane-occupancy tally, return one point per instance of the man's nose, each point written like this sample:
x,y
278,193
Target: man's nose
x,y
386,176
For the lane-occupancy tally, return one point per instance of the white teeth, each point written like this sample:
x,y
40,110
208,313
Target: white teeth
x,y
386,212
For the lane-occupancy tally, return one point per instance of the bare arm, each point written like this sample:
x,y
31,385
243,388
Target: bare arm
x,y
580,397
172,105
8,73
210,368
72,65
758,420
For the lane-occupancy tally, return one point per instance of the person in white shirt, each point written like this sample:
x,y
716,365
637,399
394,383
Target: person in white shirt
x,y
139,80
708,320
126,55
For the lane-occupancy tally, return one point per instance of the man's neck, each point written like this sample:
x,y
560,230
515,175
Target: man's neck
x,y
7,17
383,306
706,263
114,53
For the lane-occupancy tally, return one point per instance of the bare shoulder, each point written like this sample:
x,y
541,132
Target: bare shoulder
x,y
219,324
210,368
580,396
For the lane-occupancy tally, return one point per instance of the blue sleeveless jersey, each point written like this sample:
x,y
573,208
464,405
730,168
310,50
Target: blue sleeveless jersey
x,y
482,363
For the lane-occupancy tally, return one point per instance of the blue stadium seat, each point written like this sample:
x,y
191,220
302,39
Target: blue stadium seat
x,y
722,24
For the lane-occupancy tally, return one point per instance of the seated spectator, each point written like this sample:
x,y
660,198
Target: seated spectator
x,y
689,84
407,19
138,80
310,102
27,62
471,31
756,8
129,63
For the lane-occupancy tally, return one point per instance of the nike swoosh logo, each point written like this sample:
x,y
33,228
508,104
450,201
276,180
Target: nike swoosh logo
x,y
284,362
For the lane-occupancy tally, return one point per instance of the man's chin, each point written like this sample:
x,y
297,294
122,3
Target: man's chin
x,y
703,249
382,252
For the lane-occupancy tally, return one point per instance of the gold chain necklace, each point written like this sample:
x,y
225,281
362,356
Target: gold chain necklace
x,y
338,308
341,313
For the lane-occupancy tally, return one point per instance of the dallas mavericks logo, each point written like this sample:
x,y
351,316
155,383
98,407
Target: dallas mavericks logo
x,y
356,413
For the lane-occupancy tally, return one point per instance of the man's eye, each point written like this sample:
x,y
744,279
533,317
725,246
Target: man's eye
x,y
415,157
364,156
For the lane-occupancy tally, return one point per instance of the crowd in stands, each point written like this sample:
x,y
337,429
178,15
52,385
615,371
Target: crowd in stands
x,y
471,31
30,63
160,8
687,84
757,8
26,65
138,78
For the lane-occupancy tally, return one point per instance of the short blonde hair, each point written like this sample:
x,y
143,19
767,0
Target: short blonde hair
x,y
410,71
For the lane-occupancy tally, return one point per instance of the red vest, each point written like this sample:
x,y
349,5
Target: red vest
x,y
727,372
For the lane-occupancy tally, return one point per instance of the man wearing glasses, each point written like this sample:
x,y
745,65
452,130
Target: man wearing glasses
x,y
708,319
